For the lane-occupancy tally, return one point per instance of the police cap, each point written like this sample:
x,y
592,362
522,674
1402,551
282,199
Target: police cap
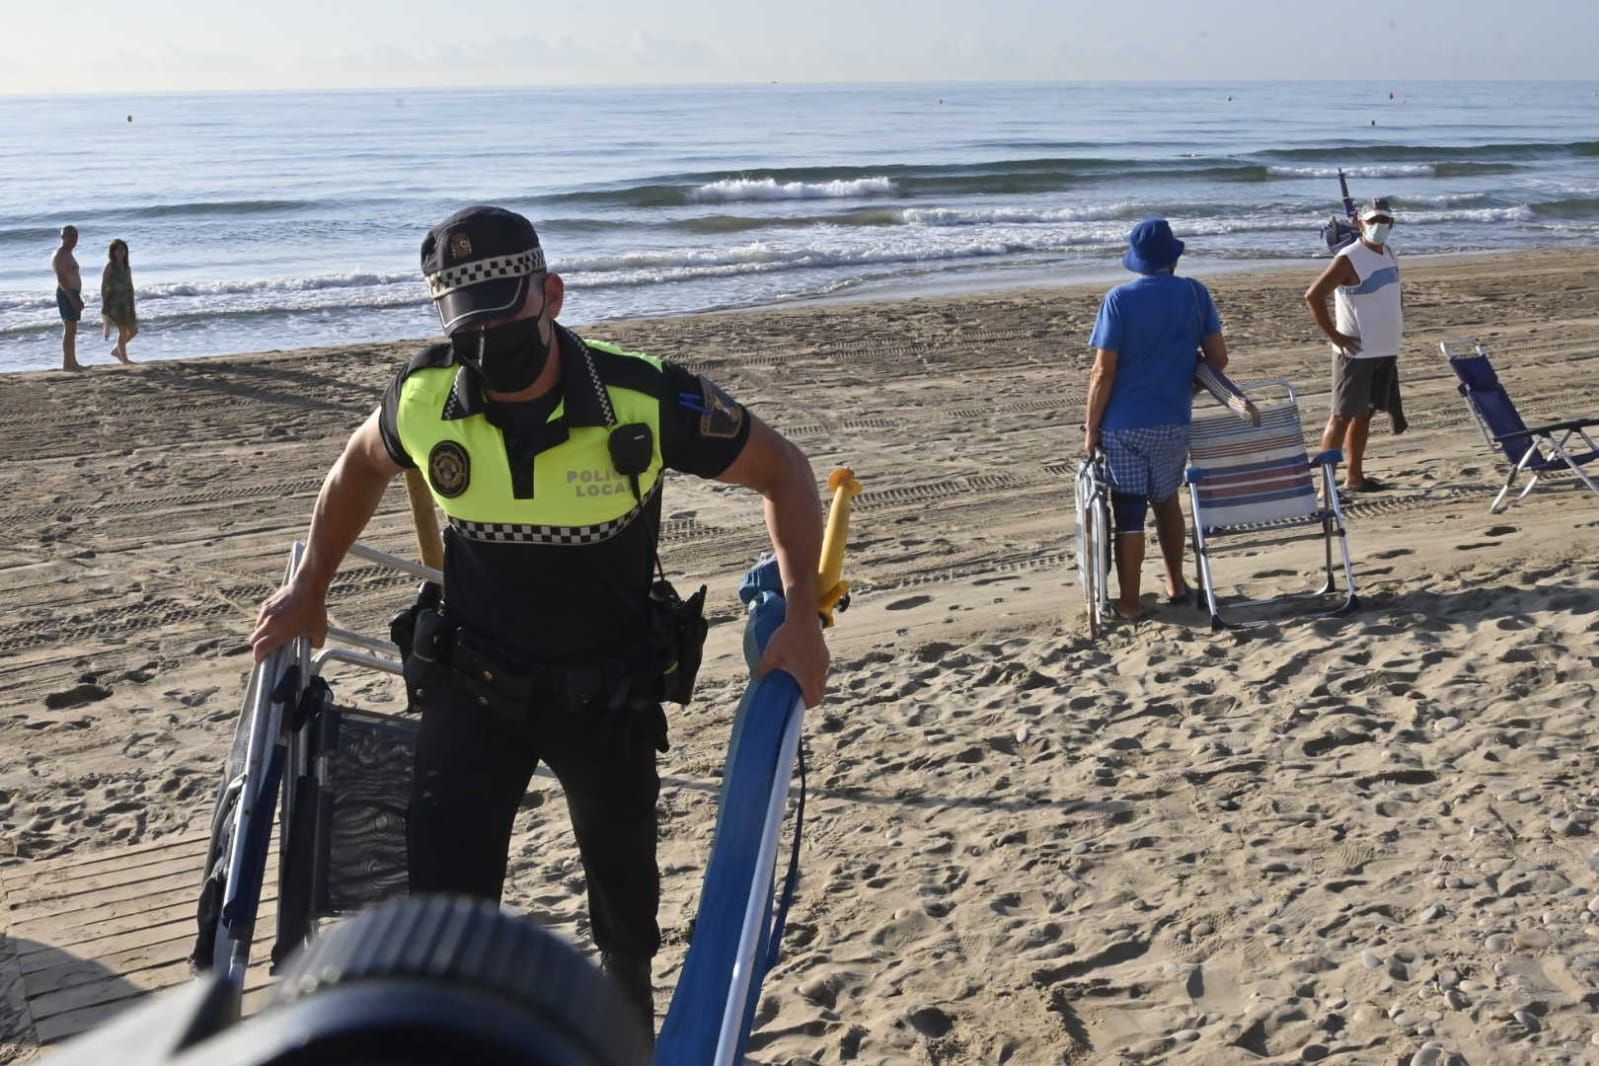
x,y
478,263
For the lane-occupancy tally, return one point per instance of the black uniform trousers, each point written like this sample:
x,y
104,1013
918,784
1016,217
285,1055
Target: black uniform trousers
x,y
472,772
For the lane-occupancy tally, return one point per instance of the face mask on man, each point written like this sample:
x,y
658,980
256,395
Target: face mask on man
x,y
510,356
1377,232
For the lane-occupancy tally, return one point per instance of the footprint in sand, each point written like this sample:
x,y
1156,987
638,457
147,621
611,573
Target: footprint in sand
x,y
1500,531
908,602
1393,553
77,696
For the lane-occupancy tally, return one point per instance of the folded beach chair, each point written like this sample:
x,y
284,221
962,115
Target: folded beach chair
x,y
334,780
1254,485
1536,450
1094,535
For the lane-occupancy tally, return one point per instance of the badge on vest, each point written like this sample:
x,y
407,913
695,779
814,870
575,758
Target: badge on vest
x,y
449,469
722,418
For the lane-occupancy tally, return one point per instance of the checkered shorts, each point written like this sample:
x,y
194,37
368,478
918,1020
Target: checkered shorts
x,y
1146,462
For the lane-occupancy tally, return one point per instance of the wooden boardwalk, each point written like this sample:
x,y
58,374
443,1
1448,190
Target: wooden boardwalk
x,y
86,936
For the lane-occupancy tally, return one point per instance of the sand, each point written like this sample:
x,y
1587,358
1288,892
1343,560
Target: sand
x,y
1344,837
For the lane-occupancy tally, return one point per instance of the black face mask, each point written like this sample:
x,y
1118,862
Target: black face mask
x,y
510,357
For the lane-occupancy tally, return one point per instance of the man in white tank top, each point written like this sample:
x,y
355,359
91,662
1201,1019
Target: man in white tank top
x,y
1363,279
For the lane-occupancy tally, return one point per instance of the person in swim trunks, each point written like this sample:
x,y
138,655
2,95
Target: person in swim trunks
x,y
69,296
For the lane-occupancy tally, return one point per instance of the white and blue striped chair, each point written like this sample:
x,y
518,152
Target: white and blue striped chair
x,y
1255,483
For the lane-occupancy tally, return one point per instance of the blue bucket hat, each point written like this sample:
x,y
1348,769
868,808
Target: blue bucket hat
x,y
1151,247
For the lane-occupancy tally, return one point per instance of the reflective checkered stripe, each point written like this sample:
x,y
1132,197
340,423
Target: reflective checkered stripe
x,y
511,533
478,271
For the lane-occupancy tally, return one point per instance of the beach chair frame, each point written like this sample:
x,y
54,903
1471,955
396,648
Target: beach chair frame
x,y
1326,522
1535,459
273,751
1094,538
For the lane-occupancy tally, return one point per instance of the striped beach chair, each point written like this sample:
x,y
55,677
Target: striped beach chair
x,y
1254,484
1535,450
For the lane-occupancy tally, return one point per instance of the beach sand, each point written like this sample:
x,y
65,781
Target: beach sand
x,y
1339,837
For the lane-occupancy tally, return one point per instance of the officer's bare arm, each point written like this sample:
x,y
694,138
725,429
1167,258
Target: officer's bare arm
x,y
350,496
779,471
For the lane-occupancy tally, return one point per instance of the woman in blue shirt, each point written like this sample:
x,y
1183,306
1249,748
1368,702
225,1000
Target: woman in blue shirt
x,y
1140,400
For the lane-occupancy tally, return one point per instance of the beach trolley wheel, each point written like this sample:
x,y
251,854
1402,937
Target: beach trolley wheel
x,y
1094,540
443,978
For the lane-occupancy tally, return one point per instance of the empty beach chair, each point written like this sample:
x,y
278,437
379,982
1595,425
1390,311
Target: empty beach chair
x,y
1535,450
1253,485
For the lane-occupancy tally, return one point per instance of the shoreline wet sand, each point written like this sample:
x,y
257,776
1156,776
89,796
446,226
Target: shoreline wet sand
x,y
1345,836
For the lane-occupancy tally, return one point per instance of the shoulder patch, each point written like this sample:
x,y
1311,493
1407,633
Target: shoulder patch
x,y
721,418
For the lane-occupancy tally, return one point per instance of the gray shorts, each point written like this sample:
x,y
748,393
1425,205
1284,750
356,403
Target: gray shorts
x,y
1352,394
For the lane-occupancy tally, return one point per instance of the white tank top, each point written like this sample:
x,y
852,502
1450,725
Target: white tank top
x,y
1370,308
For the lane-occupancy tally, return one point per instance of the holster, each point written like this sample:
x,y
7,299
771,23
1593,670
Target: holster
x,y
677,638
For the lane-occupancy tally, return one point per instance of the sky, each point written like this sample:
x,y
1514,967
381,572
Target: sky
x,y
185,45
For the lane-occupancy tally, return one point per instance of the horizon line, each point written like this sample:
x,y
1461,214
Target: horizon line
x,y
974,82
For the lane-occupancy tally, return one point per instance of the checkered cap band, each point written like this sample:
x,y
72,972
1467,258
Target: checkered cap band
x,y
511,533
478,271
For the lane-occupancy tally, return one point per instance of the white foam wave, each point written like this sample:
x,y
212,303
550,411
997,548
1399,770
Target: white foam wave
x,y
1518,213
1380,170
731,190
949,216
314,283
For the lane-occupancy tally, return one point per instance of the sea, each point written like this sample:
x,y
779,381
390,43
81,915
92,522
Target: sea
x,y
261,221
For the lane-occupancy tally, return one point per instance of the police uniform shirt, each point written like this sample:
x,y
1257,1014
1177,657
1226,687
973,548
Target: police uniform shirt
x,y
567,597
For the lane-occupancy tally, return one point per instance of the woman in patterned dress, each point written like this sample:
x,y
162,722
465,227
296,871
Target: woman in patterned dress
x,y
116,299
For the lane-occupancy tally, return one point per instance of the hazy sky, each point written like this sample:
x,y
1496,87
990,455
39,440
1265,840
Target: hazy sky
x,y
142,45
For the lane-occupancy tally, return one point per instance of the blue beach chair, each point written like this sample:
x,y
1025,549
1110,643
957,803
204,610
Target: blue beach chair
x,y
1254,483
1536,450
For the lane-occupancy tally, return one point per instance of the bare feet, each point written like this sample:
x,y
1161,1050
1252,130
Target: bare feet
x,y
72,368
120,355
1124,615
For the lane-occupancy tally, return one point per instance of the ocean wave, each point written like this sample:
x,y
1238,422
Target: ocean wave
x,y
218,207
951,216
224,294
1435,152
28,234
732,190
1399,170
314,283
1019,176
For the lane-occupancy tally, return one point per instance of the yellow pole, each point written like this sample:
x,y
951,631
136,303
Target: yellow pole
x,y
424,519
830,578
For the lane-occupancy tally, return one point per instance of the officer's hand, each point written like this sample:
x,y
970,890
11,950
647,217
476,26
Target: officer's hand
x,y
797,646
292,611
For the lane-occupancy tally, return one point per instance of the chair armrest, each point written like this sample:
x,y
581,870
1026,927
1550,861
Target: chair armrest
x,y
1330,457
1194,475
1548,428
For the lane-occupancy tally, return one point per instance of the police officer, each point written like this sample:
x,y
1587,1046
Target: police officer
x,y
546,452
